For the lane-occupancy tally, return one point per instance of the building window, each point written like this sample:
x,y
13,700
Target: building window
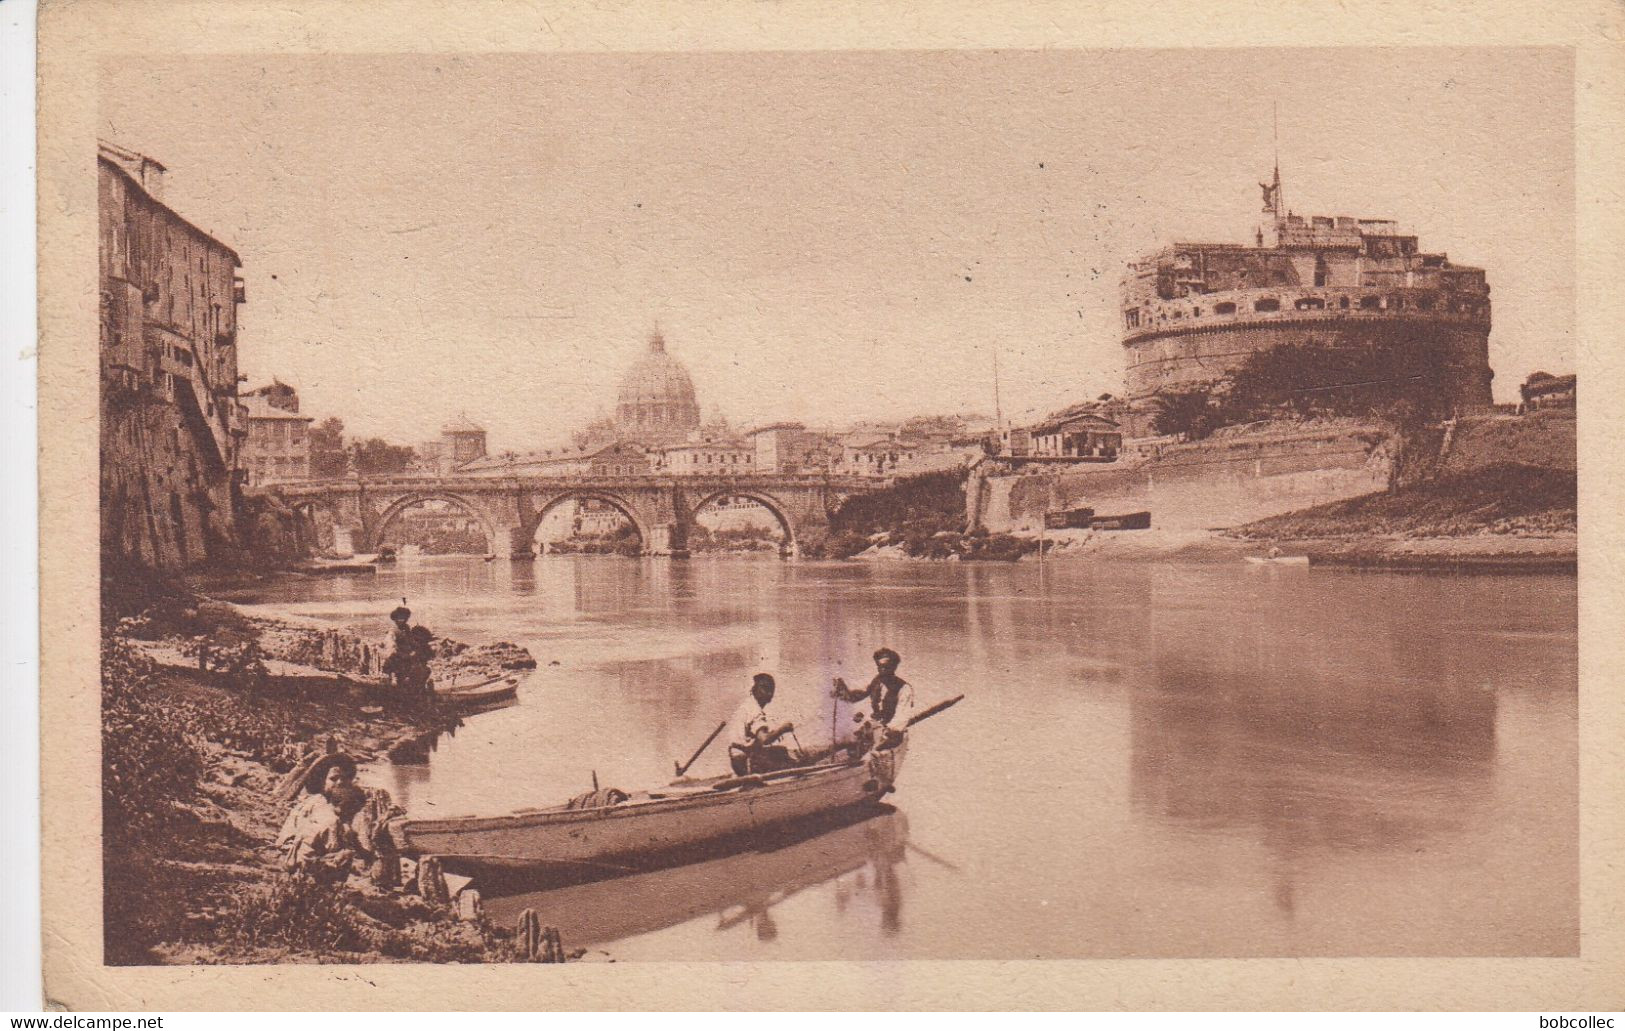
x,y
1225,308
1266,304
1343,302
1370,303
1310,303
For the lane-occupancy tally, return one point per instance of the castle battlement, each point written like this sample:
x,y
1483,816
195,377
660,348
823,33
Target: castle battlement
x,y
1194,311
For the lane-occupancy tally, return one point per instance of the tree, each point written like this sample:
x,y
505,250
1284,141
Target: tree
x,y
376,457
1191,414
1392,374
1394,379
327,456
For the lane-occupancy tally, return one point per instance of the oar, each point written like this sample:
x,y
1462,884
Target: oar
x,y
921,717
935,859
682,768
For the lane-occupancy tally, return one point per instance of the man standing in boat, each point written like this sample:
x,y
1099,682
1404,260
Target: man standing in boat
x,y
754,748
891,702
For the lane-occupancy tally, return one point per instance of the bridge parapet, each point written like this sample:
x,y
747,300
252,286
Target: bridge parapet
x,y
662,506
301,488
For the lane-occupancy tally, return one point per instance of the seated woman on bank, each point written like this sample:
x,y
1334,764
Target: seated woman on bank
x,y
317,839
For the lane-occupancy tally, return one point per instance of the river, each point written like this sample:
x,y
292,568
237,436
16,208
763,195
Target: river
x,y
1152,760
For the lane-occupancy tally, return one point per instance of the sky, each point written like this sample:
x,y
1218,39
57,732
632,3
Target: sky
x,y
826,237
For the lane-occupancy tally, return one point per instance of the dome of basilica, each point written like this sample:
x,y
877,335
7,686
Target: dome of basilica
x,y
656,402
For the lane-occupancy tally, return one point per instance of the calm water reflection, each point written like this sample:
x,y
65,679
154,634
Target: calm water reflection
x,y
1152,760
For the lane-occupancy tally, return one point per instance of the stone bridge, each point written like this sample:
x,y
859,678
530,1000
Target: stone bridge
x,y
661,507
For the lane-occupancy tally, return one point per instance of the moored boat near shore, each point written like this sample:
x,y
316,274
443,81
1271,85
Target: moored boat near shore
x,y
1278,560
683,814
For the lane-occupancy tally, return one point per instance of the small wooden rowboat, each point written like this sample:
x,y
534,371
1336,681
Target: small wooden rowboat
x,y
486,692
651,823
1131,521
1278,560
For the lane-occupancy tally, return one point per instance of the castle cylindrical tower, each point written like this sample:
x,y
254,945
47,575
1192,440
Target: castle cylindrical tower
x,y
1194,312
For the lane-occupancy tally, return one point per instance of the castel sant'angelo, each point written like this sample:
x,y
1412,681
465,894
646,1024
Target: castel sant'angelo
x,y
1194,312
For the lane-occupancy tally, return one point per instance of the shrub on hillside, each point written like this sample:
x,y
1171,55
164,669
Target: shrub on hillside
x,y
832,545
927,503
149,764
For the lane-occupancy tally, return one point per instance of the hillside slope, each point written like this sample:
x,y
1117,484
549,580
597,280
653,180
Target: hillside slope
x,y
1506,498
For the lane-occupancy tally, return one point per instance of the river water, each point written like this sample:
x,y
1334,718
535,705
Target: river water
x,y
1152,760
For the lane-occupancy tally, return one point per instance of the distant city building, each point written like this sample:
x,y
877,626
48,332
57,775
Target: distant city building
x,y
277,446
462,441
429,458
616,459
619,459
171,424
871,453
594,518
1016,442
438,527
708,458
277,394
656,404
1193,312
736,513
789,447
1077,436
1543,390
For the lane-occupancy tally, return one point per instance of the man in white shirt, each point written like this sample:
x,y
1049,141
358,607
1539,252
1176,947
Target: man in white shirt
x,y
891,702
754,747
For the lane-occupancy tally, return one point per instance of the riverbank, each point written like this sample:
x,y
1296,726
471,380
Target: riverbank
x,y
1501,518
197,765
1510,517
1486,551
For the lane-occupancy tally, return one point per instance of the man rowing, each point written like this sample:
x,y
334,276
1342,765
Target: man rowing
x,y
754,748
891,703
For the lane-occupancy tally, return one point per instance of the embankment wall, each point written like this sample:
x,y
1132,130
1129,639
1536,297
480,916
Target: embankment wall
x,y
1544,439
1215,483
1237,477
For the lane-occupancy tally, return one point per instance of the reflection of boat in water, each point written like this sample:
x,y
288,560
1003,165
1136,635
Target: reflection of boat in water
x,y
607,828
738,887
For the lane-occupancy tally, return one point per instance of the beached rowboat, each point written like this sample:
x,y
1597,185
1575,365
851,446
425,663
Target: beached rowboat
x,y
651,823
1278,560
473,696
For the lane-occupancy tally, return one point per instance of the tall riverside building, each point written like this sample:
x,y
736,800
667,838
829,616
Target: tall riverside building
x,y
171,424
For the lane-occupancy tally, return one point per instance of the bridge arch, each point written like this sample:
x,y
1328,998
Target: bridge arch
x,y
375,537
774,506
615,501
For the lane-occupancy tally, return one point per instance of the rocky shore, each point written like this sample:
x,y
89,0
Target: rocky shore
x,y
196,765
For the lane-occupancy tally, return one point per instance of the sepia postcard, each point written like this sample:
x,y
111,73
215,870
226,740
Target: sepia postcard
x,y
939,505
